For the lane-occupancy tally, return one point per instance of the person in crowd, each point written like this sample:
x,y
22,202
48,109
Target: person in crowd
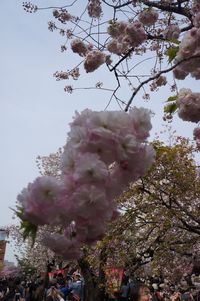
x,y
140,292
77,288
124,291
13,293
54,295
64,289
60,278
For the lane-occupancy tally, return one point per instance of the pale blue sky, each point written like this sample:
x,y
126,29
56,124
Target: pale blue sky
x,y
35,111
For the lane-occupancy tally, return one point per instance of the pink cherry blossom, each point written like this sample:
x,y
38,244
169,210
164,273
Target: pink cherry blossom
x,y
135,34
105,151
125,35
94,59
40,200
141,122
190,46
94,8
91,232
131,170
91,203
10,271
196,134
80,47
68,159
171,32
78,136
90,169
188,105
60,244
161,81
126,147
148,17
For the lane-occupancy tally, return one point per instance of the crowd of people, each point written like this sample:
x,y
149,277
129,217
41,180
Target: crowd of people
x,y
59,288
72,287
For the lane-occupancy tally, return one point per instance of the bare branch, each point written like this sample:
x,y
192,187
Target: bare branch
x,y
157,76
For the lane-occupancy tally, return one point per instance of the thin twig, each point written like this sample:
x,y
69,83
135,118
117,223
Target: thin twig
x,y
157,76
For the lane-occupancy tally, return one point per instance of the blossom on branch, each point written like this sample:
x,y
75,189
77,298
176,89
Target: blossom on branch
x,y
94,59
148,17
188,104
189,47
62,15
40,200
80,47
172,32
196,134
94,9
105,151
125,36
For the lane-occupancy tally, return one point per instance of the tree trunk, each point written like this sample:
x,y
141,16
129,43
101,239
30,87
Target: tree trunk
x,y
89,281
101,287
95,287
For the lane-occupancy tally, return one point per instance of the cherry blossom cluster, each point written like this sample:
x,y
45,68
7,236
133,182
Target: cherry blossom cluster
x,y
148,17
94,59
94,9
62,75
197,20
196,134
105,151
62,15
188,104
80,47
125,35
172,32
10,271
189,47
196,13
160,81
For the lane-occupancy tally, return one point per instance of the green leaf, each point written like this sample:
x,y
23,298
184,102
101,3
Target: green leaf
x,y
28,229
175,41
170,108
172,98
171,53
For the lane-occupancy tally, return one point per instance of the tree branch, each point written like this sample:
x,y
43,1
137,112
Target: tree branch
x,y
155,77
169,8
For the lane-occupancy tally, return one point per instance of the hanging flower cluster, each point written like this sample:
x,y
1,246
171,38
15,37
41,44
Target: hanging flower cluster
x,y
125,35
62,15
160,81
188,104
196,13
93,58
196,134
148,17
94,9
190,46
105,151
78,46
171,32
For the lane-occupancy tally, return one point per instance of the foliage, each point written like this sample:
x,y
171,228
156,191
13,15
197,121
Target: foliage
x,y
158,215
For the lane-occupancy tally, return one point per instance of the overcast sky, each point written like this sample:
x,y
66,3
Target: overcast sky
x,y
35,111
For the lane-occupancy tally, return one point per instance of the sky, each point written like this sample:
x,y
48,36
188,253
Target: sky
x,y
35,110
